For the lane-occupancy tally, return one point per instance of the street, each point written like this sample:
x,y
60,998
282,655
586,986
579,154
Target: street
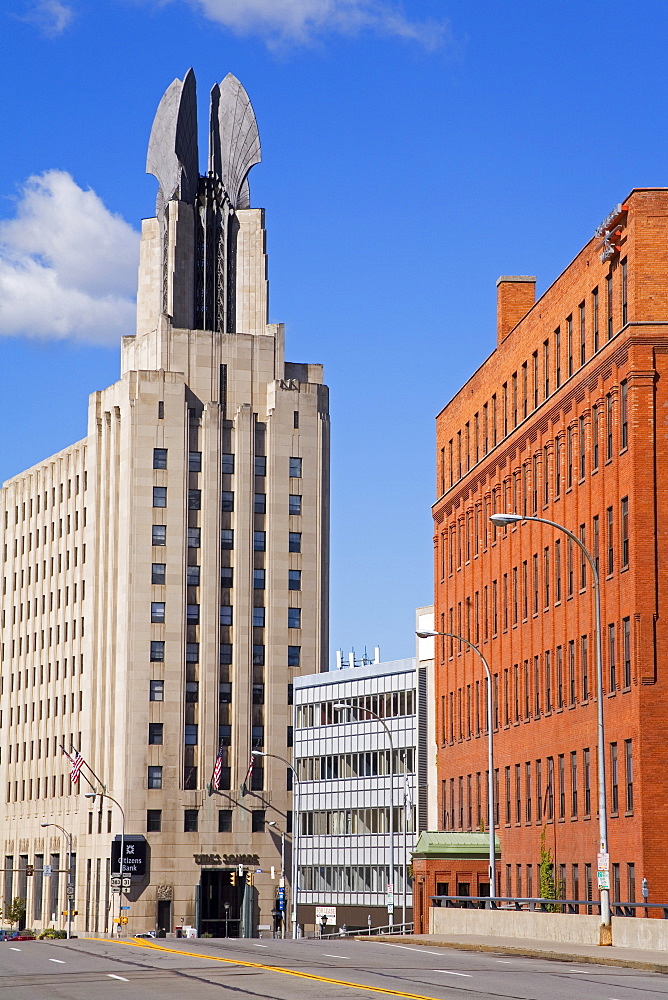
x,y
286,970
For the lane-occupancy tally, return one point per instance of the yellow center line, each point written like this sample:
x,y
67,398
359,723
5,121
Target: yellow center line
x,y
271,968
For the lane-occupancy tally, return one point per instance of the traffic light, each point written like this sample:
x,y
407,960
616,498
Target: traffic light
x,y
233,878
30,869
249,877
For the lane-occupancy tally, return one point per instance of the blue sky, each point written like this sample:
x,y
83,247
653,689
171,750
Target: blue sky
x,y
410,156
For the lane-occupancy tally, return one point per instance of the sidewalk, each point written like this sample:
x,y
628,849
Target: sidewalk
x,y
648,961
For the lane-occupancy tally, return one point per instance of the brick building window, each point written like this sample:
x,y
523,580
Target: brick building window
x,y
546,575
586,780
624,414
584,666
527,791
631,883
612,664
614,779
628,765
571,672
594,437
536,685
569,333
574,785
557,571
548,682
518,794
594,302
596,541
583,334
557,356
569,457
581,443
569,566
535,583
539,791
560,677
507,796
610,540
550,789
608,297
583,558
625,532
626,626
506,709
546,367
534,360
608,427
625,292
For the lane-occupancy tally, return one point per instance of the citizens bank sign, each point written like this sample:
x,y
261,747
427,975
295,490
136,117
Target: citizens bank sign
x,y
135,856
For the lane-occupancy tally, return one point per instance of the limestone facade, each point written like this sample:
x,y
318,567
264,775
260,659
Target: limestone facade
x,y
163,581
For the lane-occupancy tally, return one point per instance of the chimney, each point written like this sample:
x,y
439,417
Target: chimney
x,y
515,295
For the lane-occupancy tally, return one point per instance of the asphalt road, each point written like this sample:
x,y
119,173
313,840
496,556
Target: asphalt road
x,y
286,970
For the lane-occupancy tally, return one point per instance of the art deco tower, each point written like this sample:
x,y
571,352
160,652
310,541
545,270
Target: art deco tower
x,y
166,577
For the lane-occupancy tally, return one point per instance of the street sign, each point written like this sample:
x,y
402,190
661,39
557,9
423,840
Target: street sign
x,y
70,892
603,879
46,870
126,882
30,870
328,912
115,881
603,862
125,907
116,889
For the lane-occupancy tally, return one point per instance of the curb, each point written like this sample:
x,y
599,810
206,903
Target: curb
x,y
553,956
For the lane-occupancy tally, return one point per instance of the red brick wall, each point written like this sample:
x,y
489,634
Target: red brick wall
x,y
504,476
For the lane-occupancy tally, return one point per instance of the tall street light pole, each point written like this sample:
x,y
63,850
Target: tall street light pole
x,y
69,874
282,832
295,835
341,706
490,752
121,868
503,520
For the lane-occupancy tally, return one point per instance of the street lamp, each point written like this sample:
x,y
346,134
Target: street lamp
x,y
295,835
502,520
340,706
69,875
105,795
490,753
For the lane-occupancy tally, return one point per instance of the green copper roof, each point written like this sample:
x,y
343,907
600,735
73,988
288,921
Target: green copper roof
x,y
454,845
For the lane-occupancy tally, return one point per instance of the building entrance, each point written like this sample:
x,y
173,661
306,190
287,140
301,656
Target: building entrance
x,y
220,904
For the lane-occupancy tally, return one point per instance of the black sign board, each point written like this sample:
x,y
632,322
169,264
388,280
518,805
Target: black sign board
x,y
135,855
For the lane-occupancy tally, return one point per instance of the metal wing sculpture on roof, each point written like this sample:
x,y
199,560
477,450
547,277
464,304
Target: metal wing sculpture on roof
x,y
236,141
172,147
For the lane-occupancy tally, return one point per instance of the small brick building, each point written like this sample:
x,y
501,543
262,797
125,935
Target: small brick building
x,y
449,864
567,419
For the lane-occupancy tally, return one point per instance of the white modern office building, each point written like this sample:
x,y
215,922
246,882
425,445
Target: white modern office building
x,y
355,764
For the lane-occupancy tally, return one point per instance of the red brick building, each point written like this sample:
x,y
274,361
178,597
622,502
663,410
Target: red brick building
x,y
568,420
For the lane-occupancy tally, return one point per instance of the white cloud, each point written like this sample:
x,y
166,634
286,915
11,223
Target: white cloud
x,y
50,16
68,266
280,21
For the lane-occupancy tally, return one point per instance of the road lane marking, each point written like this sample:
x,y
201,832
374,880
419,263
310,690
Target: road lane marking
x,y
261,946
446,972
407,947
122,978
504,961
15,949
347,957
269,968
579,970
58,960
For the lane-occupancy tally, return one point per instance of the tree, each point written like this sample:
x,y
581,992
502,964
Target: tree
x,y
15,910
548,886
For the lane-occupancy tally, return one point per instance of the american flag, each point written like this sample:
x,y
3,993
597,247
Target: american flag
x,y
77,763
218,769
